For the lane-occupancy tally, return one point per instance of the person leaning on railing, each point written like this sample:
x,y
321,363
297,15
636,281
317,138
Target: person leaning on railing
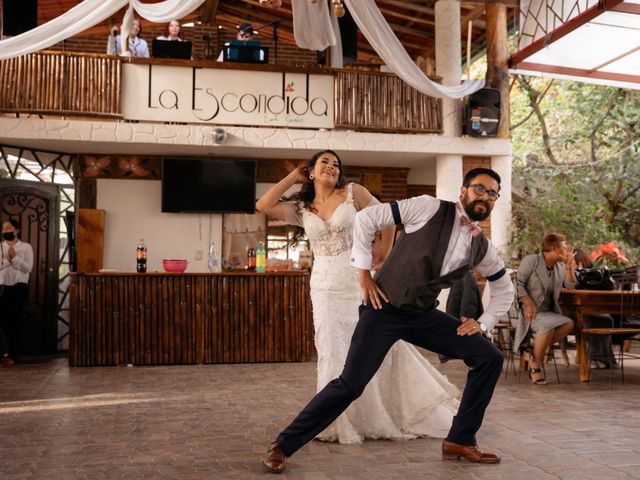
x,y
137,45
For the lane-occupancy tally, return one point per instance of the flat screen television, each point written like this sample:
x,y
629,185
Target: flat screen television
x,y
202,185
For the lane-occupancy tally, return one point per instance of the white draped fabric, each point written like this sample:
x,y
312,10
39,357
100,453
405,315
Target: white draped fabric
x,y
375,28
87,14
314,29
312,26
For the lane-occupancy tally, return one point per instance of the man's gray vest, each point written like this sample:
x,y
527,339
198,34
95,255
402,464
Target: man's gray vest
x,y
411,275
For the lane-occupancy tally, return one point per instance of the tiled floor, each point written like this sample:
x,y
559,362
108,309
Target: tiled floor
x,y
215,421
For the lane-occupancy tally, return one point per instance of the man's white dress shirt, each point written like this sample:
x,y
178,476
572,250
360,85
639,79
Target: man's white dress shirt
x,y
415,213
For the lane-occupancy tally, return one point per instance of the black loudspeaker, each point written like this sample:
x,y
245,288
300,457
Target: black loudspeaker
x,y
349,35
19,16
483,113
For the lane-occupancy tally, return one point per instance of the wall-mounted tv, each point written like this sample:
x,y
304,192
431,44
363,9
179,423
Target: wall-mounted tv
x,y
208,185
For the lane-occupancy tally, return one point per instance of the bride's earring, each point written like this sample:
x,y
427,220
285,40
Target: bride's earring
x,y
311,177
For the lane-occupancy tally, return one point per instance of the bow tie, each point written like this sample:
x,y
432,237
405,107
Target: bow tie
x,y
475,229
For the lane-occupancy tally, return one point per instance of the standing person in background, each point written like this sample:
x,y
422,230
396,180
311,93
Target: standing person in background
x,y
137,45
16,262
464,301
172,32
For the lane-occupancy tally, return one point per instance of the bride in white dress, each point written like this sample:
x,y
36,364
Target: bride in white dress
x,y
407,397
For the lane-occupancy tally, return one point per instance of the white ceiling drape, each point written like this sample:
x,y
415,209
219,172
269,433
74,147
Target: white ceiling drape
x,y
87,14
314,29
382,38
312,26
377,31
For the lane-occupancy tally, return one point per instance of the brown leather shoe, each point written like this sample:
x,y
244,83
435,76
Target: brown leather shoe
x,y
276,460
471,453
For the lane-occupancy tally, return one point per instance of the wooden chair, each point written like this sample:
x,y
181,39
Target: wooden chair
x,y
625,332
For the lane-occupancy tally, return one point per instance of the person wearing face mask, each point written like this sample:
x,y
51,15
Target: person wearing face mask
x,y
16,262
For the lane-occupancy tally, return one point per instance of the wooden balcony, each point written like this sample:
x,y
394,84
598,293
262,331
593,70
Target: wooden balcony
x,y
61,84
91,85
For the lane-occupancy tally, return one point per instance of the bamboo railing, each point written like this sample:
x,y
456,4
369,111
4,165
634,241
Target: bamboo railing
x,y
165,319
61,83
66,83
383,102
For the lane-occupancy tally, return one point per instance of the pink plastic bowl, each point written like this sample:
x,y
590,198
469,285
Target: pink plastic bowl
x,y
174,266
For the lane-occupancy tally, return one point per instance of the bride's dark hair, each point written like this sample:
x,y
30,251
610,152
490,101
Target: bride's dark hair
x,y
308,192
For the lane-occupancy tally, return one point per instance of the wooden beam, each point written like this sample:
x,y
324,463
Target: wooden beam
x,y
412,18
410,6
208,11
508,3
497,61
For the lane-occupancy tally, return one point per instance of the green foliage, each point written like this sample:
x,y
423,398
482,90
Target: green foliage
x,y
582,178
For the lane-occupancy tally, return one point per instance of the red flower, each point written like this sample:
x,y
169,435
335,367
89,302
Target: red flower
x,y
609,254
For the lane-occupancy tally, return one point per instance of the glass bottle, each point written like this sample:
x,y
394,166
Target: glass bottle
x,y
261,257
141,257
251,258
212,262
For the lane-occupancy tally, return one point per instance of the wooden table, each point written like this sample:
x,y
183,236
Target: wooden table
x,y
595,302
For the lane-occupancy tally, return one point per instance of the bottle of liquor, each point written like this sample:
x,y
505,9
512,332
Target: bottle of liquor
x,y
261,257
141,257
212,262
251,258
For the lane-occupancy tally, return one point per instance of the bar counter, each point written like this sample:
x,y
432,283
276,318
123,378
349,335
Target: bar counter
x,y
125,318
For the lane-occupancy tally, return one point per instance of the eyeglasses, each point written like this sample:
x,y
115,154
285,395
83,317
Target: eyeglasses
x,y
480,190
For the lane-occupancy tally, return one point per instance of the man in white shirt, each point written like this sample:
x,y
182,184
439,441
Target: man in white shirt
x,y
442,242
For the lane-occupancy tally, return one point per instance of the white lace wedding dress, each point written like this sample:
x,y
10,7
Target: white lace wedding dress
x,y
407,397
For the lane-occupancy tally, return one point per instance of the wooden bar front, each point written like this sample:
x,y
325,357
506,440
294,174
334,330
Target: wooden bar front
x,y
165,318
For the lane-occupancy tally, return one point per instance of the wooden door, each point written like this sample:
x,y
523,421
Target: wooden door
x,y
36,207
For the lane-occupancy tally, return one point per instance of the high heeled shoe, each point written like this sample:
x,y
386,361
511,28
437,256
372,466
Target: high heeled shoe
x,y
537,381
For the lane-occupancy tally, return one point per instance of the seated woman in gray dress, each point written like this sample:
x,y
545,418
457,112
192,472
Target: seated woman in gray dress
x,y
539,280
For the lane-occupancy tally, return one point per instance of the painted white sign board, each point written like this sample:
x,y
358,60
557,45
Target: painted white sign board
x,y
227,97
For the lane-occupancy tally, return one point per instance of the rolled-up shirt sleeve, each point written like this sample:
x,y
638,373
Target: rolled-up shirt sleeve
x,y
502,291
414,213
367,221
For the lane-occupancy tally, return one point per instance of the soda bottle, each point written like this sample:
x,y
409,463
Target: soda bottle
x,y
251,258
212,262
141,257
261,257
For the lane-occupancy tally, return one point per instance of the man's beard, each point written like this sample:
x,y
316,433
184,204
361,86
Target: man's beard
x,y
470,209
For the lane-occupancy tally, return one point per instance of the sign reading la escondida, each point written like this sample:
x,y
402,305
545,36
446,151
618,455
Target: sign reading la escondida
x,y
230,97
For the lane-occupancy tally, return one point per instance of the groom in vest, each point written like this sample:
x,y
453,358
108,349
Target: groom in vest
x,y
442,242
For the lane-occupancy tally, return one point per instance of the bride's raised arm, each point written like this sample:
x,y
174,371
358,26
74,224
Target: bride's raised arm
x,y
271,204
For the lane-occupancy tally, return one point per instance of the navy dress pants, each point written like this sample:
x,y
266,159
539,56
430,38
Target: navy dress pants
x,y
375,333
